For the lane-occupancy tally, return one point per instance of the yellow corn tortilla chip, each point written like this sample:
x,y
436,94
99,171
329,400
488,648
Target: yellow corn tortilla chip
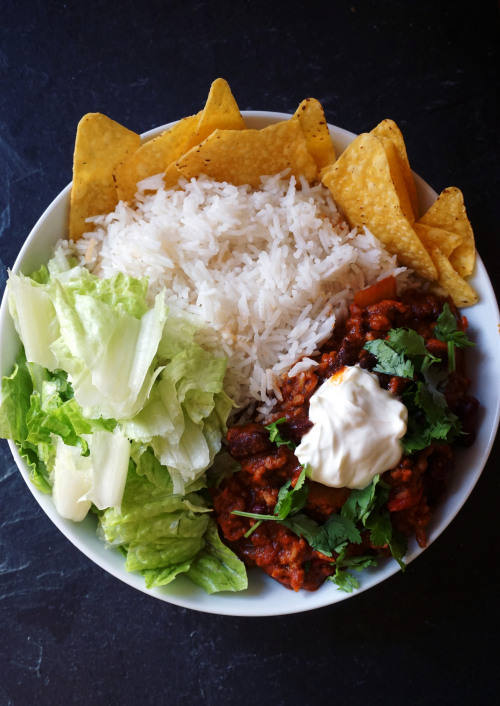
x,y
243,156
221,112
392,139
448,212
437,237
450,281
171,176
101,144
154,156
312,120
361,184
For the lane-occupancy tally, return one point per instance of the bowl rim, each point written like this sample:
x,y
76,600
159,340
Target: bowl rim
x,y
229,603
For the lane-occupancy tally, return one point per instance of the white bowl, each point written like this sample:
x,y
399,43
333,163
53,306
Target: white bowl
x,y
265,596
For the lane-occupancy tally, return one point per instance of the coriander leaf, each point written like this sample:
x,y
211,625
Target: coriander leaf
x,y
328,538
446,323
407,341
358,563
446,329
362,503
398,546
432,402
440,418
275,435
412,345
380,526
389,361
291,500
368,506
303,526
435,378
335,534
343,579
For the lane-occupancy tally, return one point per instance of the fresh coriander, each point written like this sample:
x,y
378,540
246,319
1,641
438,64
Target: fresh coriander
x,y
446,329
252,528
398,546
290,501
402,354
335,534
342,578
275,434
369,507
405,355
389,360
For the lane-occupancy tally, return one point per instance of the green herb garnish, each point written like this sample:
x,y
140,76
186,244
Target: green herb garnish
x,y
275,434
446,330
342,577
290,501
366,507
404,354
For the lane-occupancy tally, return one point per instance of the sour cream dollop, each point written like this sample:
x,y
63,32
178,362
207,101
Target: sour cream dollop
x,y
357,427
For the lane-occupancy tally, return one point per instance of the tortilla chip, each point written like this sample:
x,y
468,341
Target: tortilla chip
x,y
361,184
221,112
154,156
171,176
243,156
312,120
448,212
101,144
450,281
437,237
392,139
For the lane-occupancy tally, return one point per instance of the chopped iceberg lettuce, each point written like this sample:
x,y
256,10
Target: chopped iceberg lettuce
x,y
216,568
114,406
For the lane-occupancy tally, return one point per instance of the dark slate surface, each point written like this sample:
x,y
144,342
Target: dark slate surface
x,y
71,634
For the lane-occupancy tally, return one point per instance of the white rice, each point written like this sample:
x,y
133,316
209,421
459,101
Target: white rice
x,y
269,270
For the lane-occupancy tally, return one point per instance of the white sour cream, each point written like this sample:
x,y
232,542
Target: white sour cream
x,y
356,430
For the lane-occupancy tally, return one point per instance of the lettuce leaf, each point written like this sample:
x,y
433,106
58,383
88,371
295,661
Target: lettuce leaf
x,y
16,392
160,532
114,405
35,319
216,568
185,416
100,331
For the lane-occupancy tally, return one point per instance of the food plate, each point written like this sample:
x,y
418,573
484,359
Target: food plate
x,y
264,596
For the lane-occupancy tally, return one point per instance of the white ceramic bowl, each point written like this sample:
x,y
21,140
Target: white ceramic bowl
x,y
265,596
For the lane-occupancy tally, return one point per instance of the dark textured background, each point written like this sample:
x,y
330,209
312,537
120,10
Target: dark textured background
x,y
70,633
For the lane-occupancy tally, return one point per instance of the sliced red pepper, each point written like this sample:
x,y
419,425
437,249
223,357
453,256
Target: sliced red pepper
x,y
385,289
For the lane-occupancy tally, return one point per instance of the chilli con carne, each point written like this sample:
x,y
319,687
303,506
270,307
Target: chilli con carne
x,y
414,485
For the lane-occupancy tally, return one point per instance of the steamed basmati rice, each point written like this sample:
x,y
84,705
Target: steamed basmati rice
x,y
269,270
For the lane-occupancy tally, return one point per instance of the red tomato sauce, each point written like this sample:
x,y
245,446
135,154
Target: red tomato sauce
x,y
416,483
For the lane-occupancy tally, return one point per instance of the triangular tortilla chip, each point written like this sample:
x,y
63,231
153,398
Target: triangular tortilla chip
x,y
221,112
243,156
448,212
100,145
154,156
392,139
361,184
437,237
312,120
450,281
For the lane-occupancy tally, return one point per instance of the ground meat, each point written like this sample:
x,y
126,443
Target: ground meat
x,y
416,483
